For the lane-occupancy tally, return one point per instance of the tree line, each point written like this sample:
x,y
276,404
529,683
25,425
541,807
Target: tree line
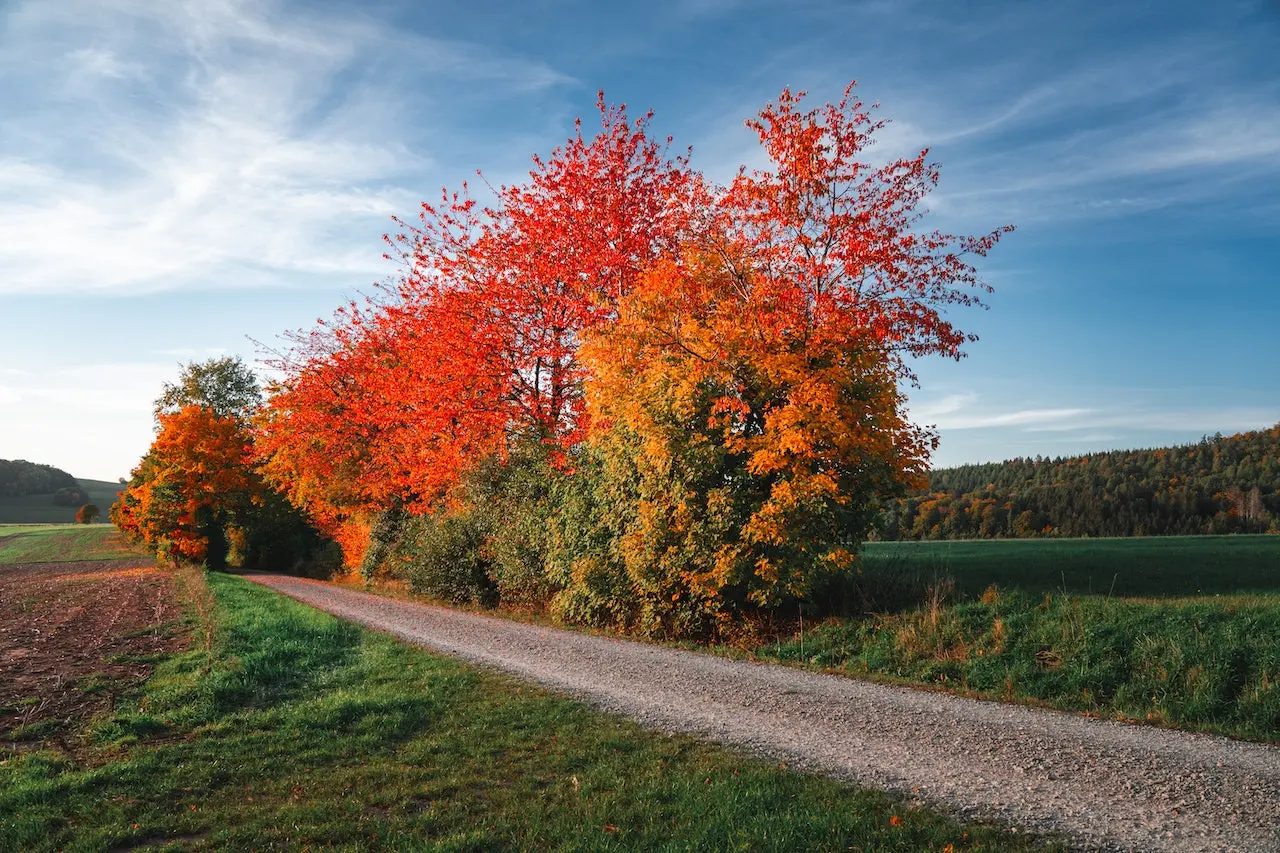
x,y
619,392
1219,485
19,478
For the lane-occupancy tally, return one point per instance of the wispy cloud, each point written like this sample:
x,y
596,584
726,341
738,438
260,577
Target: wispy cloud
x,y
216,144
970,411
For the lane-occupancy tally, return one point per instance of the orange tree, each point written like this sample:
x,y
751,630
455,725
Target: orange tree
x,y
747,397
198,494
195,482
749,445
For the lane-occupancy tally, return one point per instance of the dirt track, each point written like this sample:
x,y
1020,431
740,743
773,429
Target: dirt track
x,y
1103,785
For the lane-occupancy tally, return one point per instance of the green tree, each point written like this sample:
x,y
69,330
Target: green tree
x,y
224,386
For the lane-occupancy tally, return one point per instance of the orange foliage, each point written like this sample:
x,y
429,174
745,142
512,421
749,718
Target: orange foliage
x,y
198,469
786,305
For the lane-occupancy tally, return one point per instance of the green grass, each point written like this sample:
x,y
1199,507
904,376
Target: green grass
x,y
1153,566
1201,663
1179,631
297,731
39,509
57,543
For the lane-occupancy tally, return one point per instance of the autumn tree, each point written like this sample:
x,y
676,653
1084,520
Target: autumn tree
x,y
87,514
754,379
196,480
198,492
720,365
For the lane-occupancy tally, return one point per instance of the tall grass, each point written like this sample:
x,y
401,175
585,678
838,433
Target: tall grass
x,y
1209,664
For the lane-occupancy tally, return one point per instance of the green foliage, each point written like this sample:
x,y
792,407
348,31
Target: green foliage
x,y
1220,485
384,537
296,730
1204,664
442,552
225,386
69,496
591,512
511,501
276,537
19,477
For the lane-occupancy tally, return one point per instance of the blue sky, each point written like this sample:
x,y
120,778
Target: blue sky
x,y
177,178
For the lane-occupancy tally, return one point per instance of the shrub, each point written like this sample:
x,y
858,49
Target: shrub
x,y
511,502
442,555
88,514
384,537
69,496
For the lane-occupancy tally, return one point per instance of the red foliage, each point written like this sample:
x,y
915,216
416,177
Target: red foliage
x,y
477,343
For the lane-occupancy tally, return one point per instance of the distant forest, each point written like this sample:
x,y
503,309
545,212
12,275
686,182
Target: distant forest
x,y
1220,485
20,477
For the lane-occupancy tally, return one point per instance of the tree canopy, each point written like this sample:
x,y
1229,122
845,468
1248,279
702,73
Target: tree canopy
x,y
225,386
710,373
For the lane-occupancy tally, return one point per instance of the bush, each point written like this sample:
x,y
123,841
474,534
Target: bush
x,y
88,514
384,538
442,555
582,561
511,502
69,496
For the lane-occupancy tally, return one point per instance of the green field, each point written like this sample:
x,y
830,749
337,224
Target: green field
x,y
39,509
61,543
294,730
1179,631
1149,567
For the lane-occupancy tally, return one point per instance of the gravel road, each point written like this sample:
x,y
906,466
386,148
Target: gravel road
x,y
1102,785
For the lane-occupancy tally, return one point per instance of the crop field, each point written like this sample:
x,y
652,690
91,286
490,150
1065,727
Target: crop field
x,y
60,543
1150,567
39,509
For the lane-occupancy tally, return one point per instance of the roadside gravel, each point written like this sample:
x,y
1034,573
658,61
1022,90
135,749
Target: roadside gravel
x,y
1102,785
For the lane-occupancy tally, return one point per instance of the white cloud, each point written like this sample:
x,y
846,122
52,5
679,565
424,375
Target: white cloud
x,y
967,411
955,419
91,420
217,144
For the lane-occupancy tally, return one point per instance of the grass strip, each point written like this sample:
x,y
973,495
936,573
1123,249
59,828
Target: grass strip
x,y
284,728
1205,663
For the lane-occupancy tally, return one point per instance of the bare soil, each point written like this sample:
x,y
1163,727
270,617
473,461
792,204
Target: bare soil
x,y
73,636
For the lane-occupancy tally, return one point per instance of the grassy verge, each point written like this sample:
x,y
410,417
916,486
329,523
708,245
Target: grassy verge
x,y
61,543
1204,663
292,730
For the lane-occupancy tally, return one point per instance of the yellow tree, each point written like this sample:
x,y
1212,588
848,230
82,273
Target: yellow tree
x,y
760,441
